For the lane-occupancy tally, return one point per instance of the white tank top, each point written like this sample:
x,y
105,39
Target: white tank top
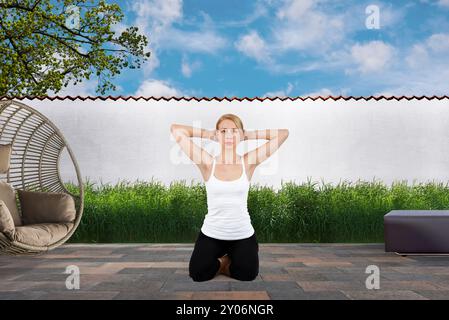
x,y
227,215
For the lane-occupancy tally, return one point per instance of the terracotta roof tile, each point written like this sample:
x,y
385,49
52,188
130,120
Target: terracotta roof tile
x,y
126,98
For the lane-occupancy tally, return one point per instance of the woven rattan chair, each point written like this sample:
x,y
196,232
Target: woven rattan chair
x,y
36,150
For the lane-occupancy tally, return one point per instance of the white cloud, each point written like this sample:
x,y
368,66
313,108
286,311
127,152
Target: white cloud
x,y
254,46
444,3
301,26
157,88
421,82
84,88
157,19
439,42
433,50
260,10
204,41
325,92
187,68
417,56
318,32
294,9
373,56
157,13
280,93
425,71
153,17
298,26
390,15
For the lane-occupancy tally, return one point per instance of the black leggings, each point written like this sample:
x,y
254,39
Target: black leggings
x,y
244,255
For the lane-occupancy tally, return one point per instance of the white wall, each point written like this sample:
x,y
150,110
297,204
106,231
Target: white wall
x,y
331,140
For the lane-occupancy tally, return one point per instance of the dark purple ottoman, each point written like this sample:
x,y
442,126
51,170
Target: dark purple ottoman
x,y
417,231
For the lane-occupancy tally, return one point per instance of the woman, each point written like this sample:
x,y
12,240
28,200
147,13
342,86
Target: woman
x,y
227,242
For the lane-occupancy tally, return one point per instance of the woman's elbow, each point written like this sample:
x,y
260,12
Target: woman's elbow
x,y
173,127
178,133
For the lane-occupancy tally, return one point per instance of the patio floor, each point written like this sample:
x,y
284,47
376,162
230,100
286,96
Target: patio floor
x,y
160,271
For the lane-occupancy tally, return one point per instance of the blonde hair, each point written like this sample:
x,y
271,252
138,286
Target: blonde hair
x,y
229,116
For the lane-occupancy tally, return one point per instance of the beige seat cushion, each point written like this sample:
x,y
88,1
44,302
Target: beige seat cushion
x,y
6,222
42,234
46,207
5,156
8,195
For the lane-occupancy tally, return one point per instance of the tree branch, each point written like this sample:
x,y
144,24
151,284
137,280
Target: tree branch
x,y
35,4
62,42
18,6
19,52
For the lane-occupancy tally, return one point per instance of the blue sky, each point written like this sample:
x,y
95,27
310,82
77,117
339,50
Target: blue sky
x,y
286,48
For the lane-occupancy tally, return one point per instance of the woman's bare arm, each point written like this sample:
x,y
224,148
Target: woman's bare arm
x,y
183,135
194,131
275,137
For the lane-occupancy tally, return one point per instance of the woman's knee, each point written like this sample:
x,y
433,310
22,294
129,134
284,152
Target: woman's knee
x,y
203,270
244,271
200,277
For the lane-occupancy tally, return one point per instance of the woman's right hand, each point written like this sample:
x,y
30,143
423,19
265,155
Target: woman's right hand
x,y
212,135
209,134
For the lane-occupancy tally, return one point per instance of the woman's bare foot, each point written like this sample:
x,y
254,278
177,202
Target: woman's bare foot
x,y
225,261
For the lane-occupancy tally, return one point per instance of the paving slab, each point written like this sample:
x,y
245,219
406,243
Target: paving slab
x,y
288,271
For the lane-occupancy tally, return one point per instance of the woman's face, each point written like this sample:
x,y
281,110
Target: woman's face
x,y
228,134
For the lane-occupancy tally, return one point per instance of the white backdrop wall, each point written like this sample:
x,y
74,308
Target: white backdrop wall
x,y
329,140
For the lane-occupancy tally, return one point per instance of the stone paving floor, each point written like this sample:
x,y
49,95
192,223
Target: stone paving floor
x,y
160,271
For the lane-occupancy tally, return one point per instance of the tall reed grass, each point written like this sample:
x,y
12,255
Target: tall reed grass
x,y
149,211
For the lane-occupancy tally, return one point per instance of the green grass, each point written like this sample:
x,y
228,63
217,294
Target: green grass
x,y
309,212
